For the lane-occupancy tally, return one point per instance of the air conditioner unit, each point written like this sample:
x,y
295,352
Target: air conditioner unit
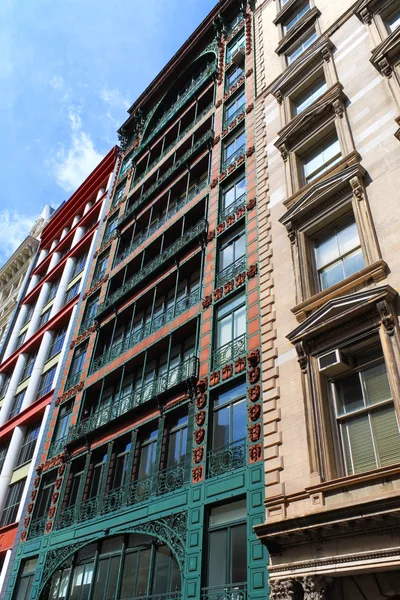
x,y
334,362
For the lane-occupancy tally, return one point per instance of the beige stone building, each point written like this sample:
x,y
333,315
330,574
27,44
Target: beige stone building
x,y
13,272
328,152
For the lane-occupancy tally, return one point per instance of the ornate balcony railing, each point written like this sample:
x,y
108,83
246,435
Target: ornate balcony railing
x,y
107,236
66,517
233,116
137,336
37,527
184,372
207,137
169,596
140,490
230,85
147,233
171,479
226,459
57,447
233,158
86,323
234,591
198,230
231,271
171,145
72,380
97,277
180,102
230,351
232,208
89,509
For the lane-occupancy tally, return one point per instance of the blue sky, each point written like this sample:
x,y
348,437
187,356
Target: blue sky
x,y
69,69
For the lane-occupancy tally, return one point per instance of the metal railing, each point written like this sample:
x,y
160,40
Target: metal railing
x,y
234,591
154,325
231,271
231,54
57,447
86,323
196,231
229,86
229,352
233,116
207,137
184,372
232,208
147,233
226,459
233,157
72,380
171,479
37,527
107,236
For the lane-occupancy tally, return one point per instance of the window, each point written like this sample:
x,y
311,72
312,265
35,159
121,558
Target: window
x,y
30,363
91,309
5,384
110,228
44,497
234,109
306,98
147,459
28,446
21,339
232,248
338,252
78,361
44,317
3,454
63,421
72,292
12,503
46,382
233,197
301,47
177,442
101,266
29,314
233,77
227,543
58,342
79,266
234,46
366,418
393,21
238,20
53,290
321,157
16,404
233,149
231,330
293,20
25,579
120,472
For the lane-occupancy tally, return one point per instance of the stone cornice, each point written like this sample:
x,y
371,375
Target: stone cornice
x,y
387,54
23,254
306,21
365,9
331,103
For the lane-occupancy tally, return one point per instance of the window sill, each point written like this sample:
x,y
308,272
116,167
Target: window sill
x,y
376,272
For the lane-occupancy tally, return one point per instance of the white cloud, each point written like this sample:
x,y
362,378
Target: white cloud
x,y
14,227
57,82
114,98
72,165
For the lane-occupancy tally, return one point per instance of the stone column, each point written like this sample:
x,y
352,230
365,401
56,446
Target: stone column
x,y
79,233
62,287
43,295
33,385
12,342
53,261
43,253
14,382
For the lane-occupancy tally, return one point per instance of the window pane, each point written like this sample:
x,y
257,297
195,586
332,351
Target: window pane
x,y
230,394
376,384
348,237
353,262
221,427
239,554
349,394
228,512
217,559
143,576
387,435
360,444
129,575
239,420
225,330
239,322
332,275
326,249
101,579
160,585
310,95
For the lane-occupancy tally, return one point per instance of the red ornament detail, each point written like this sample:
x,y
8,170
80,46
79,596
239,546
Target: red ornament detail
x,y
214,378
197,474
252,271
228,287
240,365
201,401
255,453
200,418
254,375
240,279
251,204
253,358
254,393
211,235
201,385
207,302
231,219
254,432
218,294
254,412
24,536
49,526
220,228
198,454
199,435
27,520
227,372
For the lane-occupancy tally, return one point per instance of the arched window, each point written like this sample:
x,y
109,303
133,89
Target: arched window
x,y
126,567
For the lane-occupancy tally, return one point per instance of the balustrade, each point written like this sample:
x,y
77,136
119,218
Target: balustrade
x,y
232,208
37,527
231,271
72,380
230,351
235,591
233,157
227,459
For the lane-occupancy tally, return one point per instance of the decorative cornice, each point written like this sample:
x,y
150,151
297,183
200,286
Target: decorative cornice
x,y
306,21
365,9
387,54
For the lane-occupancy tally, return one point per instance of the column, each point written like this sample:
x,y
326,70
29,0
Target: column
x,y
76,220
64,233
43,253
41,301
65,279
23,311
53,261
88,207
14,382
32,283
100,193
9,463
53,244
79,233
32,389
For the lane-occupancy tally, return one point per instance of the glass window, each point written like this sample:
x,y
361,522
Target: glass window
x,y
227,544
233,148
101,266
234,46
53,290
44,497
147,459
233,77
234,109
393,21
29,314
5,384
314,91
177,442
235,23
78,360
46,382
234,195
229,418
366,417
79,266
21,339
301,47
63,421
12,503
30,363
16,404
3,454
110,228
232,248
44,317
338,252
321,157
25,579
231,320
287,26
58,342
72,292
28,445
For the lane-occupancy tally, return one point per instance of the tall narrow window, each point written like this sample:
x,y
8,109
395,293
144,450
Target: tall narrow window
x,y
16,404
338,252
232,77
231,330
21,338
232,256
120,474
365,414
393,20
233,148
58,342
234,108
227,544
3,454
30,363
321,157
28,445
235,46
177,442
44,317
288,25
79,266
233,197
63,422
101,266
72,292
77,362
5,384
25,579
53,290
310,94
12,503
46,382
147,458
301,46
42,505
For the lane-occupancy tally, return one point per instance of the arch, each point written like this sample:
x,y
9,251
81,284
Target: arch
x,y
170,530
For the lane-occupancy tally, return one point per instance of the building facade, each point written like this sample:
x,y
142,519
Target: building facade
x,y
157,482
13,272
36,345
327,124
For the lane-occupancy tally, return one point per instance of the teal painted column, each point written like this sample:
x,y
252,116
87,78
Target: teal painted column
x,y
194,545
257,556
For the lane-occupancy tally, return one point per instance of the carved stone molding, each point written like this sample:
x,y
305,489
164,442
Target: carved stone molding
x,y
302,356
387,54
386,316
305,22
